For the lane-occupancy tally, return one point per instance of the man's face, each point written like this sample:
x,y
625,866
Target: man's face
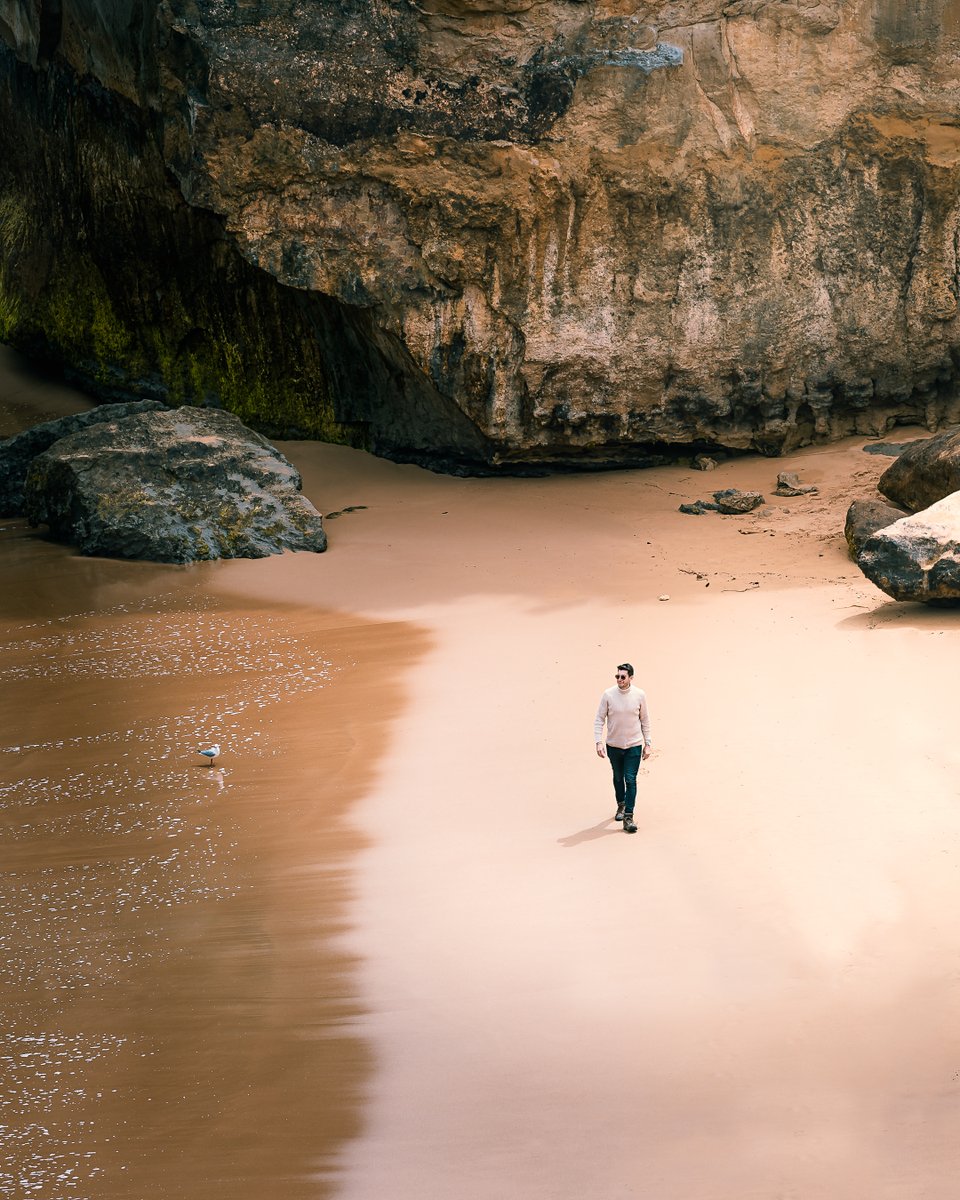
x,y
623,681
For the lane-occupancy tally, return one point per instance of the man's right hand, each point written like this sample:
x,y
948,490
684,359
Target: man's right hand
x,y
601,750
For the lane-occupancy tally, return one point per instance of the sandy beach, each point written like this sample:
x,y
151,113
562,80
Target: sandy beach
x,y
406,951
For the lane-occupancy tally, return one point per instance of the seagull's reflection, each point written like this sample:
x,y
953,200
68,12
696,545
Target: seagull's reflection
x,y
217,777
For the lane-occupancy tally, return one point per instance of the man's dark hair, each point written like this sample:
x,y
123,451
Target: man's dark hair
x,y
625,667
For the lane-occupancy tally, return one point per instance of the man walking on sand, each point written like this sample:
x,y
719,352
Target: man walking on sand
x,y
623,708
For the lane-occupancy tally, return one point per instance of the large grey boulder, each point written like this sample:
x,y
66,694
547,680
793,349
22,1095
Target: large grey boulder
x,y
172,486
918,557
864,518
17,453
925,472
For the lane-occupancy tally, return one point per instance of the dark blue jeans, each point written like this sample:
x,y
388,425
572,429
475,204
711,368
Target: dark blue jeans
x,y
625,764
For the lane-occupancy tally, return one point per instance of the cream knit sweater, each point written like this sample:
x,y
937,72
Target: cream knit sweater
x,y
627,718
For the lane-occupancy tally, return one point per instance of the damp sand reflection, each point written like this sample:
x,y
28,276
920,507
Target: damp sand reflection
x,y
177,1018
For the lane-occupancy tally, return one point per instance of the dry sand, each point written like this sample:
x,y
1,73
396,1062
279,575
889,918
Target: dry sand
x,y
756,995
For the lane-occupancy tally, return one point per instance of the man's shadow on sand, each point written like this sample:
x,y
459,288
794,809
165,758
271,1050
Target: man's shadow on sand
x,y
606,826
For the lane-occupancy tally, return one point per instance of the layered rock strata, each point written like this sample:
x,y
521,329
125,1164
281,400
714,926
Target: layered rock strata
x,y
502,235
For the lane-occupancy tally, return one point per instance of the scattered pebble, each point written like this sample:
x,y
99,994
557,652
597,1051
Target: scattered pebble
x,y
330,516
788,484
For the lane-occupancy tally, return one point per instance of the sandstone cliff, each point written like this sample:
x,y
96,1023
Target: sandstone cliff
x,y
495,231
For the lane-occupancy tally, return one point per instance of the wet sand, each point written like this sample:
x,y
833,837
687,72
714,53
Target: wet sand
x,y
179,1007
404,950
179,1013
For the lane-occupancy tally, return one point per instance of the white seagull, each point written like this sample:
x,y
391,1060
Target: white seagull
x,y
210,754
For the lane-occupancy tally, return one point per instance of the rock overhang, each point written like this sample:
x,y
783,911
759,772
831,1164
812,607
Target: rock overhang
x,y
754,258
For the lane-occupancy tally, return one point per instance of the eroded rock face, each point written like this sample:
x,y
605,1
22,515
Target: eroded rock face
x,y
174,486
586,230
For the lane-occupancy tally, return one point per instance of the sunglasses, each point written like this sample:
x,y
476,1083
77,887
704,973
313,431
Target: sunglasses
x,y
621,676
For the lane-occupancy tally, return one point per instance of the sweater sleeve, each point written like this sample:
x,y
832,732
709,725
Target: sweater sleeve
x,y
599,720
645,721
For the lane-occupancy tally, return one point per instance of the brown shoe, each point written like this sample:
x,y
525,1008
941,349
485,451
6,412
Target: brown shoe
x,y
628,825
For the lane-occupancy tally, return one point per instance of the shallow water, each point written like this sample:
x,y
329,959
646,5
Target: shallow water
x,y
177,1015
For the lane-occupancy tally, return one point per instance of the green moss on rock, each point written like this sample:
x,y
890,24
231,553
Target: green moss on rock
x,y
122,502
80,320
114,276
